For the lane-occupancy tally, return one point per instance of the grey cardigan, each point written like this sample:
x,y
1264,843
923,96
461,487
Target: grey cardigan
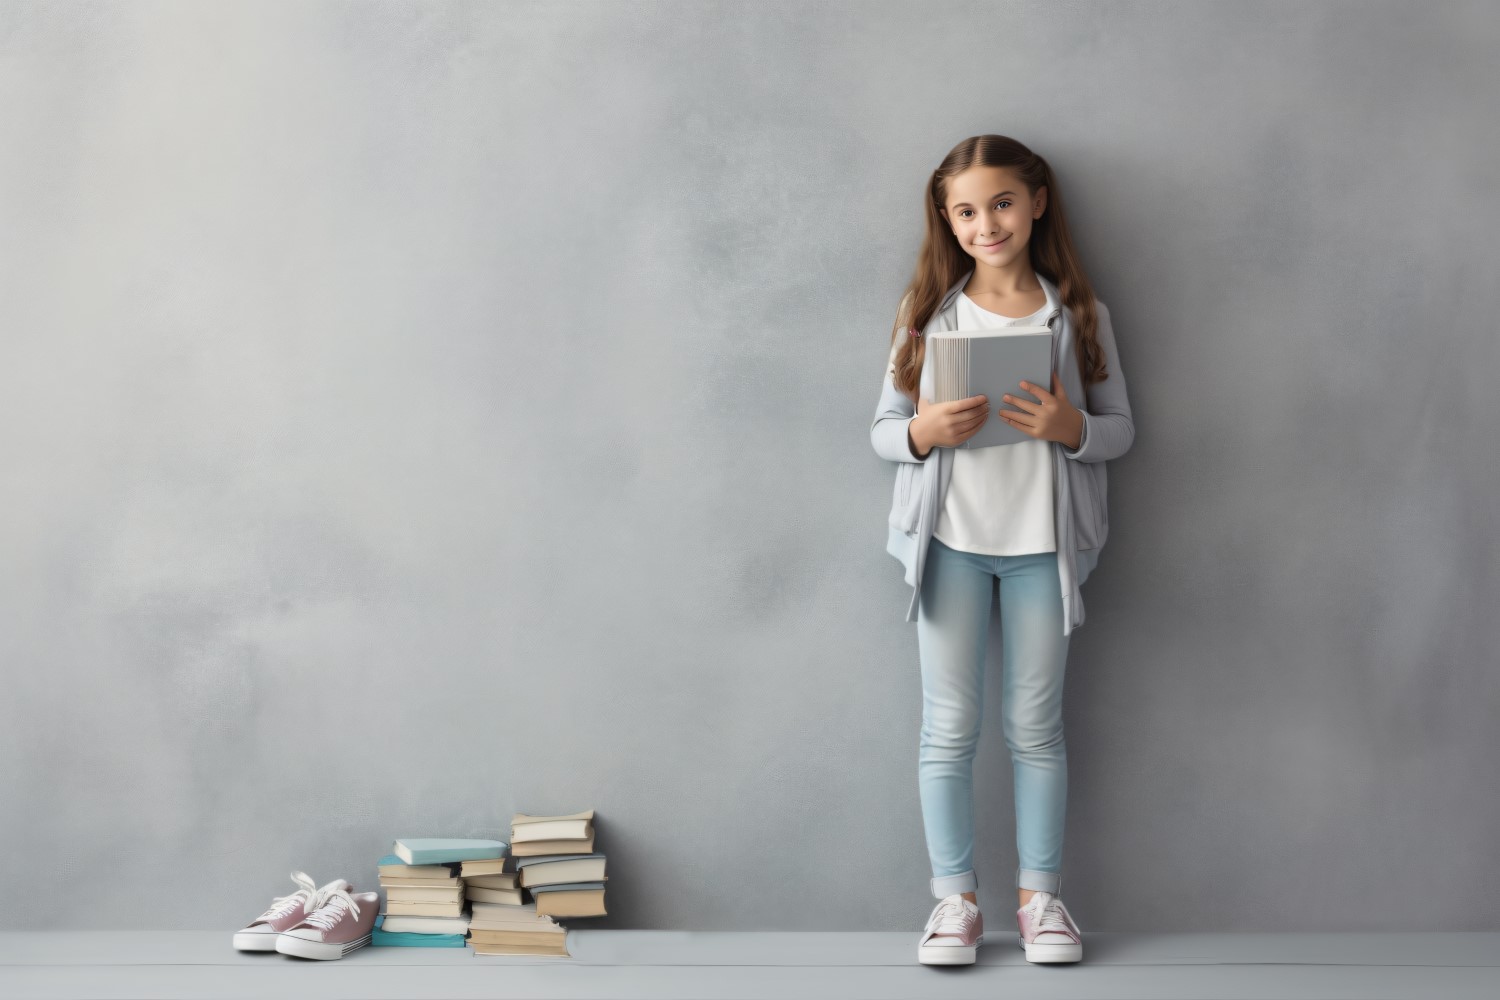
x,y
1078,477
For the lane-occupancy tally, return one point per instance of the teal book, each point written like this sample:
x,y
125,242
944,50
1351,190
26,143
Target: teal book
x,y
402,939
438,850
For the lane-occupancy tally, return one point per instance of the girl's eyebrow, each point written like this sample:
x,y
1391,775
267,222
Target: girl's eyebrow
x,y
964,204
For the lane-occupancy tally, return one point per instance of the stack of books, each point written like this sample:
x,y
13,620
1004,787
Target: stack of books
x,y
491,880
510,929
425,904
501,920
556,862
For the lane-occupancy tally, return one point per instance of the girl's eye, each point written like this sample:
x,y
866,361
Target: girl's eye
x,y
997,205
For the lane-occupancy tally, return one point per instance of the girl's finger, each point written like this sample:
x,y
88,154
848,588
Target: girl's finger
x,y
1020,420
1026,404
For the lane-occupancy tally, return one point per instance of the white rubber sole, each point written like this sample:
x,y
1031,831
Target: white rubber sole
x,y
949,954
303,948
1051,952
255,941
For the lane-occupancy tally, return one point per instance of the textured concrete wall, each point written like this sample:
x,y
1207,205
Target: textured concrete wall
x,y
411,414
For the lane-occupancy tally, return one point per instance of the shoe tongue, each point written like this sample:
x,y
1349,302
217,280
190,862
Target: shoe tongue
x,y
338,883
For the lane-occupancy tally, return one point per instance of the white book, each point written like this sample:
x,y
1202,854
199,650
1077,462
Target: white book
x,y
425,925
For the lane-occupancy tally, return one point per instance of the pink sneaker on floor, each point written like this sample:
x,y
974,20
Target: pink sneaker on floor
x,y
340,924
953,934
284,911
1047,930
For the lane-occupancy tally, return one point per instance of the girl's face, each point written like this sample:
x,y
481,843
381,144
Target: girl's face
x,y
991,213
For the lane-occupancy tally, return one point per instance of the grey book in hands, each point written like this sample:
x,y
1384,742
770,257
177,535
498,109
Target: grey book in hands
x,y
992,362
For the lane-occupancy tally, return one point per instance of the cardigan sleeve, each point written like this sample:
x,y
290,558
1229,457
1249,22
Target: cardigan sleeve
x,y
893,416
1108,428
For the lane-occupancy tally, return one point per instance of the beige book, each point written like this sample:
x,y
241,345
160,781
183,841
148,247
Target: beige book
x,y
506,881
498,924
386,880
526,911
571,903
485,924
425,893
416,871
482,894
500,916
517,937
488,866
578,826
480,948
502,925
410,909
535,847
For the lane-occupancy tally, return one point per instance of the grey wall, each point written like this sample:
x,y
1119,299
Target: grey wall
x,y
415,414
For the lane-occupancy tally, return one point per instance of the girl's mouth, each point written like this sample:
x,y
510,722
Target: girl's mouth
x,y
993,246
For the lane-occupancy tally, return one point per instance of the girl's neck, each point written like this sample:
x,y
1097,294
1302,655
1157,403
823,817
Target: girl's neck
x,y
1002,286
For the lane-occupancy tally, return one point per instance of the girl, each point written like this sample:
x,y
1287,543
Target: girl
x,y
997,253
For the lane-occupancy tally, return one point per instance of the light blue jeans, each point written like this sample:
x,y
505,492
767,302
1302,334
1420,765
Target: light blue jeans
x,y
953,619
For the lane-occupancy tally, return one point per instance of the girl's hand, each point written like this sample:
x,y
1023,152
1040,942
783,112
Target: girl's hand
x,y
1053,419
950,424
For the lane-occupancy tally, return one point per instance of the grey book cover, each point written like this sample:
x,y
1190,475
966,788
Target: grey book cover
x,y
994,362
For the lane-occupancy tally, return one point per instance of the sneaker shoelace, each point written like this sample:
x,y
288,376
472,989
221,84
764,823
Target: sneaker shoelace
x,y
1049,914
328,912
302,897
950,916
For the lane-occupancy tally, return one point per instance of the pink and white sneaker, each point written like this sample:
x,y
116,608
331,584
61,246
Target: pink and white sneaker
x,y
953,934
1047,930
284,911
341,923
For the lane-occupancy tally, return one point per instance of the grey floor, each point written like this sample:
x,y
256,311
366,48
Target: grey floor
x,y
784,965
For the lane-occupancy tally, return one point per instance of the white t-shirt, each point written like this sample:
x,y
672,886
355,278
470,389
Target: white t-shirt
x,y
999,501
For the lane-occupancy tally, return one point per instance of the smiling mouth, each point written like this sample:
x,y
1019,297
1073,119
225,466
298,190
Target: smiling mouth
x,y
995,244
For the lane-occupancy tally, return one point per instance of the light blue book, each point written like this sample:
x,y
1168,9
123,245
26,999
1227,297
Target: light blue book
x,y
391,859
438,850
407,939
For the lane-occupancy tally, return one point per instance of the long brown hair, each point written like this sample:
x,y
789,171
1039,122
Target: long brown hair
x,y
942,262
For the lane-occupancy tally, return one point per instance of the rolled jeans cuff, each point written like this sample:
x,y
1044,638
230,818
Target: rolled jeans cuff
x,y
947,885
1027,878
